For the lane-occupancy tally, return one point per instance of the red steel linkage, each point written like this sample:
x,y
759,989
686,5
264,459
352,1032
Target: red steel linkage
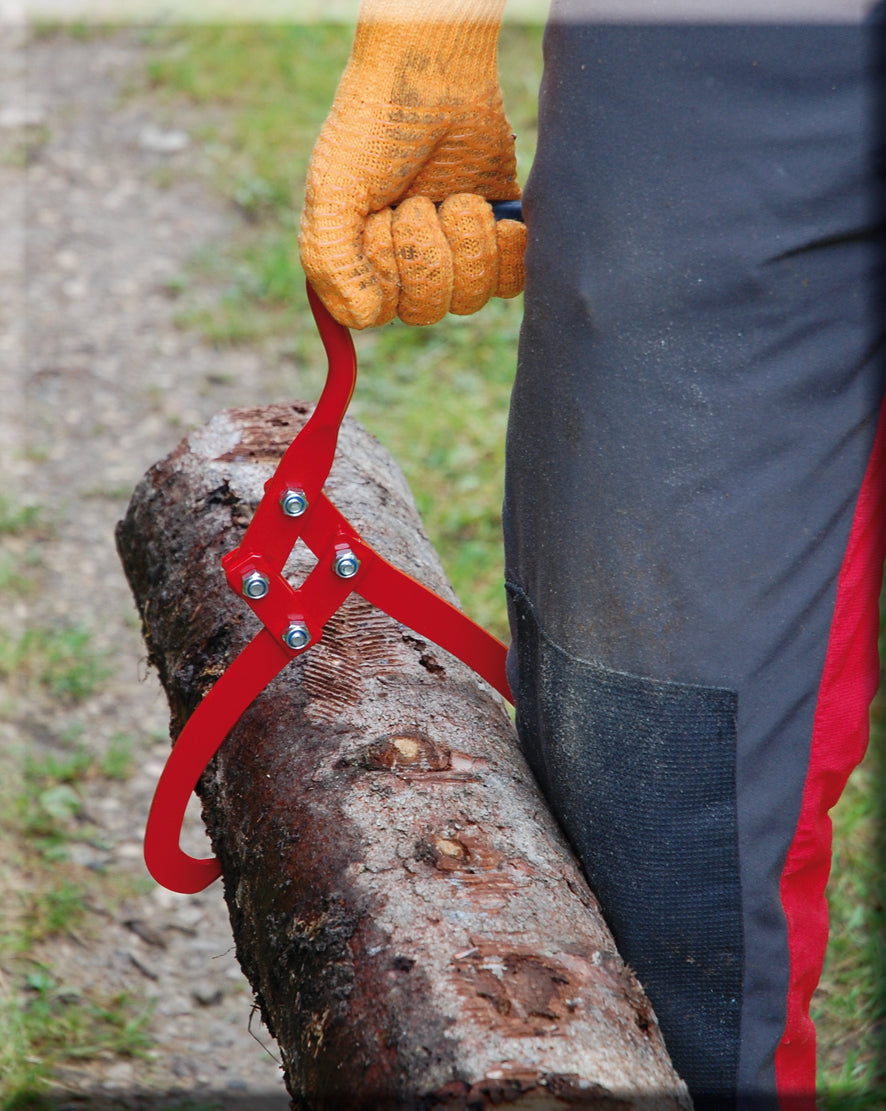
x,y
294,506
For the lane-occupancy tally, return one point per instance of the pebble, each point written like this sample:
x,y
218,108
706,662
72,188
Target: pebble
x,y
15,116
119,1075
163,140
129,850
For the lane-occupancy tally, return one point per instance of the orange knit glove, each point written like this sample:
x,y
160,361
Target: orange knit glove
x,y
418,118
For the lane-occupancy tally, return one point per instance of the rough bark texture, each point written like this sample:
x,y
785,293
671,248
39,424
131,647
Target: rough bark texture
x,y
413,925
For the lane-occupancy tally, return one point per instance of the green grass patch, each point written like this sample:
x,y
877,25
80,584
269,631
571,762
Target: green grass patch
x,y
850,1008
62,660
266,90
45,1024
45,801
451,447
17,518
117,761
22,530
48,805
60,909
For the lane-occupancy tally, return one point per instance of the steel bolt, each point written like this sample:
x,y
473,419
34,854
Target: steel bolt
x,y
346,564
293,502
297,636
255,585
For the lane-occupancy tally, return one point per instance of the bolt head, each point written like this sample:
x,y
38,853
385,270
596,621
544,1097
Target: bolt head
x,y
346,564
255,585
297,636
293,502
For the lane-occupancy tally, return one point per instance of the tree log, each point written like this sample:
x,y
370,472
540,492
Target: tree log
x,y
413,925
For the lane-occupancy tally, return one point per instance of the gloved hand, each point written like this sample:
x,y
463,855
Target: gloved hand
x,y
418,115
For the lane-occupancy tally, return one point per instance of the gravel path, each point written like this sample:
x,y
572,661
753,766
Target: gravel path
x,y
99,214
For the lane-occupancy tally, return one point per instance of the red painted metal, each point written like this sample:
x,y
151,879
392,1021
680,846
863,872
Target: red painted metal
x,y
265,547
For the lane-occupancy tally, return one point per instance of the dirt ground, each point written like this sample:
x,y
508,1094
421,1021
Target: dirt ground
x,y
100,213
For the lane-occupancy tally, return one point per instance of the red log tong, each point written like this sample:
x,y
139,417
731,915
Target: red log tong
x,y
295,506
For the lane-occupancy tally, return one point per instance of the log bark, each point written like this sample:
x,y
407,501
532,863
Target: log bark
x,y
414,927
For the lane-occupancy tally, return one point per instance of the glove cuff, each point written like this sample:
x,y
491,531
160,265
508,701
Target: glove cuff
x,y
452,42
430,11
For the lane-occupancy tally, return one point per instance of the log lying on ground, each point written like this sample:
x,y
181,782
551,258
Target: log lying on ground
x,y
414,927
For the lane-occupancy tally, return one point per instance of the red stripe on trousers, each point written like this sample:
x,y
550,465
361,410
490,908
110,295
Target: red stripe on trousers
x,y
839,739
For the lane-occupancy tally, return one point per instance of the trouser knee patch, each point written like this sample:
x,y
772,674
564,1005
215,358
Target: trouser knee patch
x,y
641,775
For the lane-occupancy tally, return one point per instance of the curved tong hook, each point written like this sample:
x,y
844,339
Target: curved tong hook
x,y
294,506
309,455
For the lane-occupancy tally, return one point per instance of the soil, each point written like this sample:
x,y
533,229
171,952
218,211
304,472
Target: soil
x,y
103,207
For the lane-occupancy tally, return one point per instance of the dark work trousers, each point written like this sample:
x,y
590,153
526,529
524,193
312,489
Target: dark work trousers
x,y
694,507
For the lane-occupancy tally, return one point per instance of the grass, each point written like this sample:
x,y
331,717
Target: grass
x,y
45,1023
438,399
59,658
16,518
62,660
42,803
451,446
48,806
850,1007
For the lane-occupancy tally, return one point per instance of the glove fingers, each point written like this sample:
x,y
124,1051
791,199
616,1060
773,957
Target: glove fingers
x,y
511,239
469,227
424,262
378,249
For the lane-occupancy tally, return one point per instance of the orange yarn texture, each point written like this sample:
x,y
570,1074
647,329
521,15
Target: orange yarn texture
x,y
396,220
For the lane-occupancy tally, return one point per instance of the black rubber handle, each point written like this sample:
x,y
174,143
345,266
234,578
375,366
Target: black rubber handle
x,y
507,210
